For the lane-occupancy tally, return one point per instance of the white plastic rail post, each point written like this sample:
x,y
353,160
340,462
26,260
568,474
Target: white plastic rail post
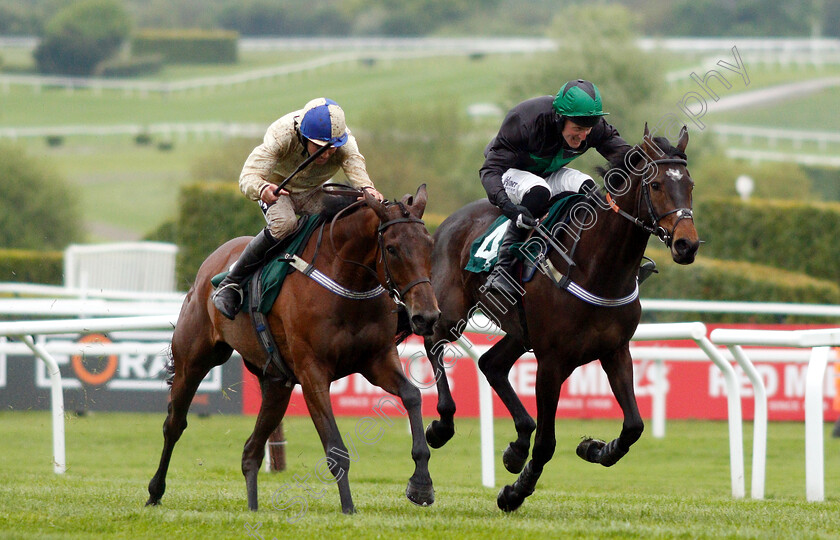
x,y
814,417
57,398
759,461
733,399
485,404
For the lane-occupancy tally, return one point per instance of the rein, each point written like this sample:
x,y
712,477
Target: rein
x,y
392,287
652,228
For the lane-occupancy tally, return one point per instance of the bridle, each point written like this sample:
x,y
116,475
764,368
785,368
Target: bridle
x,y
395,294
391,285
654,227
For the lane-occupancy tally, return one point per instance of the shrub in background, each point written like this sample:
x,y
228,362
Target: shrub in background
x,y
82,35
179,46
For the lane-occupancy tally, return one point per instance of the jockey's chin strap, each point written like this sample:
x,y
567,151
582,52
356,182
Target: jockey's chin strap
x,y
394,292
654,227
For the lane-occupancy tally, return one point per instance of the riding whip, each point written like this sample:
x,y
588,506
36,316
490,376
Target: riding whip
x,y
303,165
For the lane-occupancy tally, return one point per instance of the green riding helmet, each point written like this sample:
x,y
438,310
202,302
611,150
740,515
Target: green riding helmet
x,y
580,101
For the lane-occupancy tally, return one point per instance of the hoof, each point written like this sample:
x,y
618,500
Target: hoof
x,y
588,449
508,500
349,510
438,434
419,494
153,502
514,460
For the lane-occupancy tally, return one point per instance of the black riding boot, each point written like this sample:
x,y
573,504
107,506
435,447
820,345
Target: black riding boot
x,y
501,277
228,297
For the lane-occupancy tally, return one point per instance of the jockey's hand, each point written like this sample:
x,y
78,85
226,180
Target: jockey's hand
x,y
372,190
519,215
267,194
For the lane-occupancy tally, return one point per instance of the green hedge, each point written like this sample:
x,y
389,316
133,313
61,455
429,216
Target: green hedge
x,y
179,46
796,236
26,266
714,279
131,67
210,215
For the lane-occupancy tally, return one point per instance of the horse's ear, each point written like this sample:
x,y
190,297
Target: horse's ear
x,y
420,198
683,141
374,203
647,143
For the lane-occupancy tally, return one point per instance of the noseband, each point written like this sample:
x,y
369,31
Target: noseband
x,y
654,226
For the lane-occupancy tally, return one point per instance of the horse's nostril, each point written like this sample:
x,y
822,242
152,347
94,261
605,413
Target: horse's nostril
x,y
424,322
682,246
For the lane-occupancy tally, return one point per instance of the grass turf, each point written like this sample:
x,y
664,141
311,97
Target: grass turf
x,y
676,487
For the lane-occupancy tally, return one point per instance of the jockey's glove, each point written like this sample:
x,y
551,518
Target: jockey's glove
x,y
519,215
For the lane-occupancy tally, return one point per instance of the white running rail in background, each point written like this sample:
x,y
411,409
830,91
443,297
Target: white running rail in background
x,y
819,342
26,331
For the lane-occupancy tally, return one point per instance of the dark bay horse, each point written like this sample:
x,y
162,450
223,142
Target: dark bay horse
x,y
321,335
582,304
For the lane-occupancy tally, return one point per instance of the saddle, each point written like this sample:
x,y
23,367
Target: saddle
x,y
262,287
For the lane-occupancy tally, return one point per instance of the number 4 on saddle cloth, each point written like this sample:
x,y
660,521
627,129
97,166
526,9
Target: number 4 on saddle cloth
x,y
484,251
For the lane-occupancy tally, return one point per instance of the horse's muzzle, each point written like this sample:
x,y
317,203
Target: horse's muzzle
x,y
683,250
423,323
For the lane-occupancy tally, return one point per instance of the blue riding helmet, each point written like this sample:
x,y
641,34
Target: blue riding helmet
x,y
322,122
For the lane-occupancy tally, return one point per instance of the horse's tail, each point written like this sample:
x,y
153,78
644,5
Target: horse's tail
x,y
169,367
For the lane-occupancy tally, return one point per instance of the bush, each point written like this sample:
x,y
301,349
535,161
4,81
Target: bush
x,y
188,46
38,210
131,67
23,266
210,215
792,235
81,36
712,279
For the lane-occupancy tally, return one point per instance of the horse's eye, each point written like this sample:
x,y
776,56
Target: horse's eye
x,y
391,250
654,186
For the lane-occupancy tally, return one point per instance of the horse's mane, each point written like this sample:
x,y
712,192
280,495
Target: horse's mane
x,y
621,161
333,204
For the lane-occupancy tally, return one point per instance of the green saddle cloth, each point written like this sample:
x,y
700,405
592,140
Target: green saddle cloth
x,y
484,251
275,271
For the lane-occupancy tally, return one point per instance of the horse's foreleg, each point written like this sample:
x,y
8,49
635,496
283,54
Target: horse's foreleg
x,y
275,399
440,431
391,379
549,380
496,365
184,385
619,370
316,393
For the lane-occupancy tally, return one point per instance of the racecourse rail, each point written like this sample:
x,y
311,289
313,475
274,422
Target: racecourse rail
x,y
136,316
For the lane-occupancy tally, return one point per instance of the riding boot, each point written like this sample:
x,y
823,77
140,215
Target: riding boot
x,y
501,278
228,297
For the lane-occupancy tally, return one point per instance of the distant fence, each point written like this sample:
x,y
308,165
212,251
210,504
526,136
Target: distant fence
x,y
130,266
174,131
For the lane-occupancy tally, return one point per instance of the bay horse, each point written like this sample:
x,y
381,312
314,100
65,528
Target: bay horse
x,y
321,336
588,312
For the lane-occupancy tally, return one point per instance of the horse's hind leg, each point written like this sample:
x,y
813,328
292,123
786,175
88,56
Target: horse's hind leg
x,y
275,399
389,377
496,365
190,369
619,370
440,431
